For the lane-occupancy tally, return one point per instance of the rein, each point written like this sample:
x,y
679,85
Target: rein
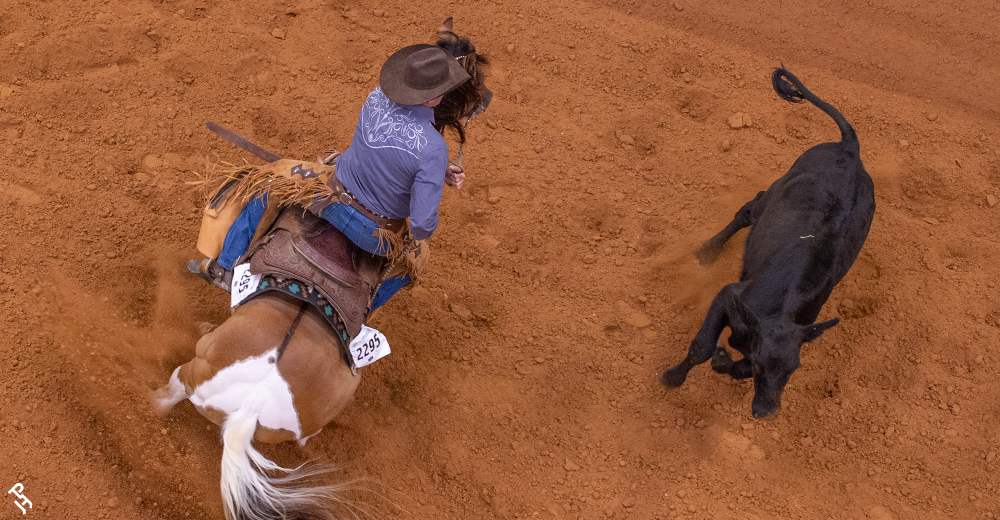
x,y
482,107
461,146
291,329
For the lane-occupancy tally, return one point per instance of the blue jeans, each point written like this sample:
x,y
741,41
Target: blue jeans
x,y
348,220
241,232
360,229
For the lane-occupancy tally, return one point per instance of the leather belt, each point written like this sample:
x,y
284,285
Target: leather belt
x,y
341,195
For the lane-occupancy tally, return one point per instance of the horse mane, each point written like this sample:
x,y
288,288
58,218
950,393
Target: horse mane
x,y
460,103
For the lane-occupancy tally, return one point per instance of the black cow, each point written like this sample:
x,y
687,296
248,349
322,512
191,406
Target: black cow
x,y
806,231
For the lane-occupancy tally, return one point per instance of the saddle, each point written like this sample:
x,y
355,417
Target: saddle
x,y
305,248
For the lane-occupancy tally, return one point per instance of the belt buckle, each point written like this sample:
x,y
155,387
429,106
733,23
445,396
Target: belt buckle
x,y
346,198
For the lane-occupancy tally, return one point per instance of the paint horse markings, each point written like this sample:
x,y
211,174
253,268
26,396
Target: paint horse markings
x,y
272,372
231,388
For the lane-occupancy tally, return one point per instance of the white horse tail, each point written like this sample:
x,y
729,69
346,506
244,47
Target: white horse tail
x,y
248,493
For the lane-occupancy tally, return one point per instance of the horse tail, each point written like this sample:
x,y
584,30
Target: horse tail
x,y
249,493
792,90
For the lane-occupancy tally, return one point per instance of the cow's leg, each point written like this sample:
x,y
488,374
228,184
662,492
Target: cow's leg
x,y
745,217
703,343
741,341
724,364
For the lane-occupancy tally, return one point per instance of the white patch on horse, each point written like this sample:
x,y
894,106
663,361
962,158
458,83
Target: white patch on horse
x,y
252,382
166,397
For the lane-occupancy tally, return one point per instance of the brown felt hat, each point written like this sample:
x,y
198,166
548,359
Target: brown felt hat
x,y
419,73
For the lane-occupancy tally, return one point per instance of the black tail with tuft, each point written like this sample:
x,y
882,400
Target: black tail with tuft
x,y
792,90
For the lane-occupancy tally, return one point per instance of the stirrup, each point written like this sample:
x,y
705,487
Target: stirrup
x,y
213,273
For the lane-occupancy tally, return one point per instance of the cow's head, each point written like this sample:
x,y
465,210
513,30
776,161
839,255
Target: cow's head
x,y
774,355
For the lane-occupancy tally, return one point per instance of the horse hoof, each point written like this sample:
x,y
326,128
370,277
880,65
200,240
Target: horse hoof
x,y
165,397
162,403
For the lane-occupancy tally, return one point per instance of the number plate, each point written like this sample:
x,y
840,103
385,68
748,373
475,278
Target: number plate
x,y
244,284
368,347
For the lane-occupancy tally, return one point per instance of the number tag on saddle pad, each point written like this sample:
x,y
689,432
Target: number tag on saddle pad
x,y
368,347
244,284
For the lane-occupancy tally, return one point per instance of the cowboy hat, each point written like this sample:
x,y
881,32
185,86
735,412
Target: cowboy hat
x,y
419,73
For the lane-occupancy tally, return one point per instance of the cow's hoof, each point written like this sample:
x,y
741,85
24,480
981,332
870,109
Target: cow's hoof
x,y
721,362
707,253
674,377
764,412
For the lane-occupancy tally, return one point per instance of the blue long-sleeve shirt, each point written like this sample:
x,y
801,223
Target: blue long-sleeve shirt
x,y
396,163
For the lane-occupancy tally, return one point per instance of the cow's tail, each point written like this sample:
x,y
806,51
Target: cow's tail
x,y
792,90
250,492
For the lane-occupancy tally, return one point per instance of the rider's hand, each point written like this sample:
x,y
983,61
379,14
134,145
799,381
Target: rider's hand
x,y
454,176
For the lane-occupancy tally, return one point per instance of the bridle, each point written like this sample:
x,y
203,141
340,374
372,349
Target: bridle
x,y
482,106
487,97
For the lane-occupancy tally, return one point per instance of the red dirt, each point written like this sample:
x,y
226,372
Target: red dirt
x,y
606,158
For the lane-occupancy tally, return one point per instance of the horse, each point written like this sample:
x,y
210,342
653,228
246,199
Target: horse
x,y
273,372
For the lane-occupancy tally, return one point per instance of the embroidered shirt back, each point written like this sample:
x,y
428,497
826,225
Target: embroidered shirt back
x,y
396,162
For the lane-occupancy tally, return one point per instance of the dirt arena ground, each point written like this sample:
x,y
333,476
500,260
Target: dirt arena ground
x,y
523,379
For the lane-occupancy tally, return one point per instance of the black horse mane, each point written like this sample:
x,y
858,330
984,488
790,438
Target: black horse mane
x,y
459,104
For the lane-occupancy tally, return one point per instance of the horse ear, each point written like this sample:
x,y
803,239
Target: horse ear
x,y
816,330
446,27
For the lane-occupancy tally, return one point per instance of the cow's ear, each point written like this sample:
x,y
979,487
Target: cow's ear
x,y
816,330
